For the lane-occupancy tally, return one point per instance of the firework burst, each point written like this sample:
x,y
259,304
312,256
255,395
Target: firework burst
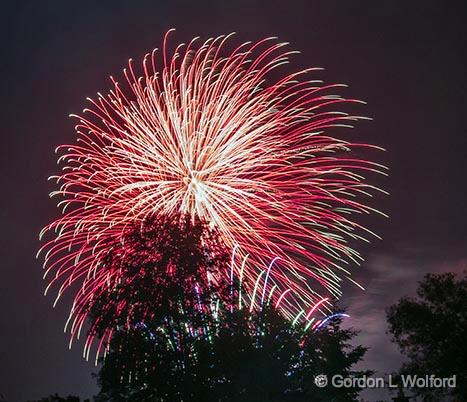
x,y
206,131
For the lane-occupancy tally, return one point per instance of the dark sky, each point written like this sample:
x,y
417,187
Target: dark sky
x,y
407,59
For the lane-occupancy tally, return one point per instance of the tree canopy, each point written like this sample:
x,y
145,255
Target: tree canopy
x,y
181,336
253,357
431,330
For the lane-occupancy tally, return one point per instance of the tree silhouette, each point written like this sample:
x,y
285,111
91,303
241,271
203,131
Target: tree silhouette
x,y
167,266
253,357
431,331
178,334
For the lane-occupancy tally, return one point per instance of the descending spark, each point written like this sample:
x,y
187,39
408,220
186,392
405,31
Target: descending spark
x,y
208,132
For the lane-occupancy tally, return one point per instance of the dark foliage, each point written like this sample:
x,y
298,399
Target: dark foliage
x,y
169,345
166,266
431,331
253,357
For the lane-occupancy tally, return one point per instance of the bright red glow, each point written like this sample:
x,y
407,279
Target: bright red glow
x,y
207,131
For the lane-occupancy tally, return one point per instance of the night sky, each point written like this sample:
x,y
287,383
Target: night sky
x,y
407,59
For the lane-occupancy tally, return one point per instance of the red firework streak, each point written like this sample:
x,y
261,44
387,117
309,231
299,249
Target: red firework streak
x,y
206,131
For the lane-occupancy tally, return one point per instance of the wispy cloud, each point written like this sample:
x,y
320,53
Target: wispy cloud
x,y
388,278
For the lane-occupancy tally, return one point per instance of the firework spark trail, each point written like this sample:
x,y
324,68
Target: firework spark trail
x,y
208,133
216,314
